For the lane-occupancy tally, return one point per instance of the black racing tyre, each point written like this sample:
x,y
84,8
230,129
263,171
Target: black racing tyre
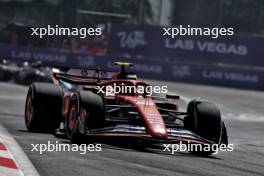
x,y
205,120
71,121
90,104
43,109
224,138
94,104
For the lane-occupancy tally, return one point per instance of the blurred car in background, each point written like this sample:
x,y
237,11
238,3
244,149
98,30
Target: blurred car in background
x,y
24,73
7,70
32,72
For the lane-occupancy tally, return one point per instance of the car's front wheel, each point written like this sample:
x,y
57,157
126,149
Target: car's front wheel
x,y
204,119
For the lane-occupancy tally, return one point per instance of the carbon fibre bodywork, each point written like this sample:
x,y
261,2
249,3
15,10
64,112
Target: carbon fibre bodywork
x,y
155,119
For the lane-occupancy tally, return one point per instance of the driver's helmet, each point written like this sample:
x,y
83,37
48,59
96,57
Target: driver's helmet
x,y
124,74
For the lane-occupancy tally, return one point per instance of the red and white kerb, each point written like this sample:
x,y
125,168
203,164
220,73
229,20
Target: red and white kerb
x,y
8,165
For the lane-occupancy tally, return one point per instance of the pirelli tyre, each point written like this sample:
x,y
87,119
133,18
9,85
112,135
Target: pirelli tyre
x,y
43,109
205,120
90,108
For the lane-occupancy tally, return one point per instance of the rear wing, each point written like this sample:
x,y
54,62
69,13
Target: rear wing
x,y
82,75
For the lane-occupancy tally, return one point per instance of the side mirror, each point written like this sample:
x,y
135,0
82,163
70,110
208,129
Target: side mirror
x,y
173,96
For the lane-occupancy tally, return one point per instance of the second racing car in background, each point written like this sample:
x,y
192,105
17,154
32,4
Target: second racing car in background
x,y
24,72
32,72
7,70
76,104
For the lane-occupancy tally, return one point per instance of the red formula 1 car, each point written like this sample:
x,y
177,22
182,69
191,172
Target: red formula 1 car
x,y
83,101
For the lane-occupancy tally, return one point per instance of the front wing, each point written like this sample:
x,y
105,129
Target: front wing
x,y
175,135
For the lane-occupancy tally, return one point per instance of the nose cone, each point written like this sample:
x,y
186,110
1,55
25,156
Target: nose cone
x,y
151,116
154,121
159,131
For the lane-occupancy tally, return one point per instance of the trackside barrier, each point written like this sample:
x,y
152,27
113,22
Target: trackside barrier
x,y
237,77
149,41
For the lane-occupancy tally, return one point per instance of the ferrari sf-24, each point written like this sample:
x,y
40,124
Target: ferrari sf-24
x,y
73,102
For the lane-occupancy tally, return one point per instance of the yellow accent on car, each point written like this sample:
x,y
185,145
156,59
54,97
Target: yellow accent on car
x,y
124,64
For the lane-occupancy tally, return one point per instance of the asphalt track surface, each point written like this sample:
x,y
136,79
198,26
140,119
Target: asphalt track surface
x,y
242,110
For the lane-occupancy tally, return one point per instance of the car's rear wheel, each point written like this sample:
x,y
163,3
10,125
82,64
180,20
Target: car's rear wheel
x,y
43,109
71,123
205,120
86,110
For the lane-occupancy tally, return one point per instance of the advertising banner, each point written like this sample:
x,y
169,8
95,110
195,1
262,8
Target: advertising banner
x,y
47,56
150,42
191,73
